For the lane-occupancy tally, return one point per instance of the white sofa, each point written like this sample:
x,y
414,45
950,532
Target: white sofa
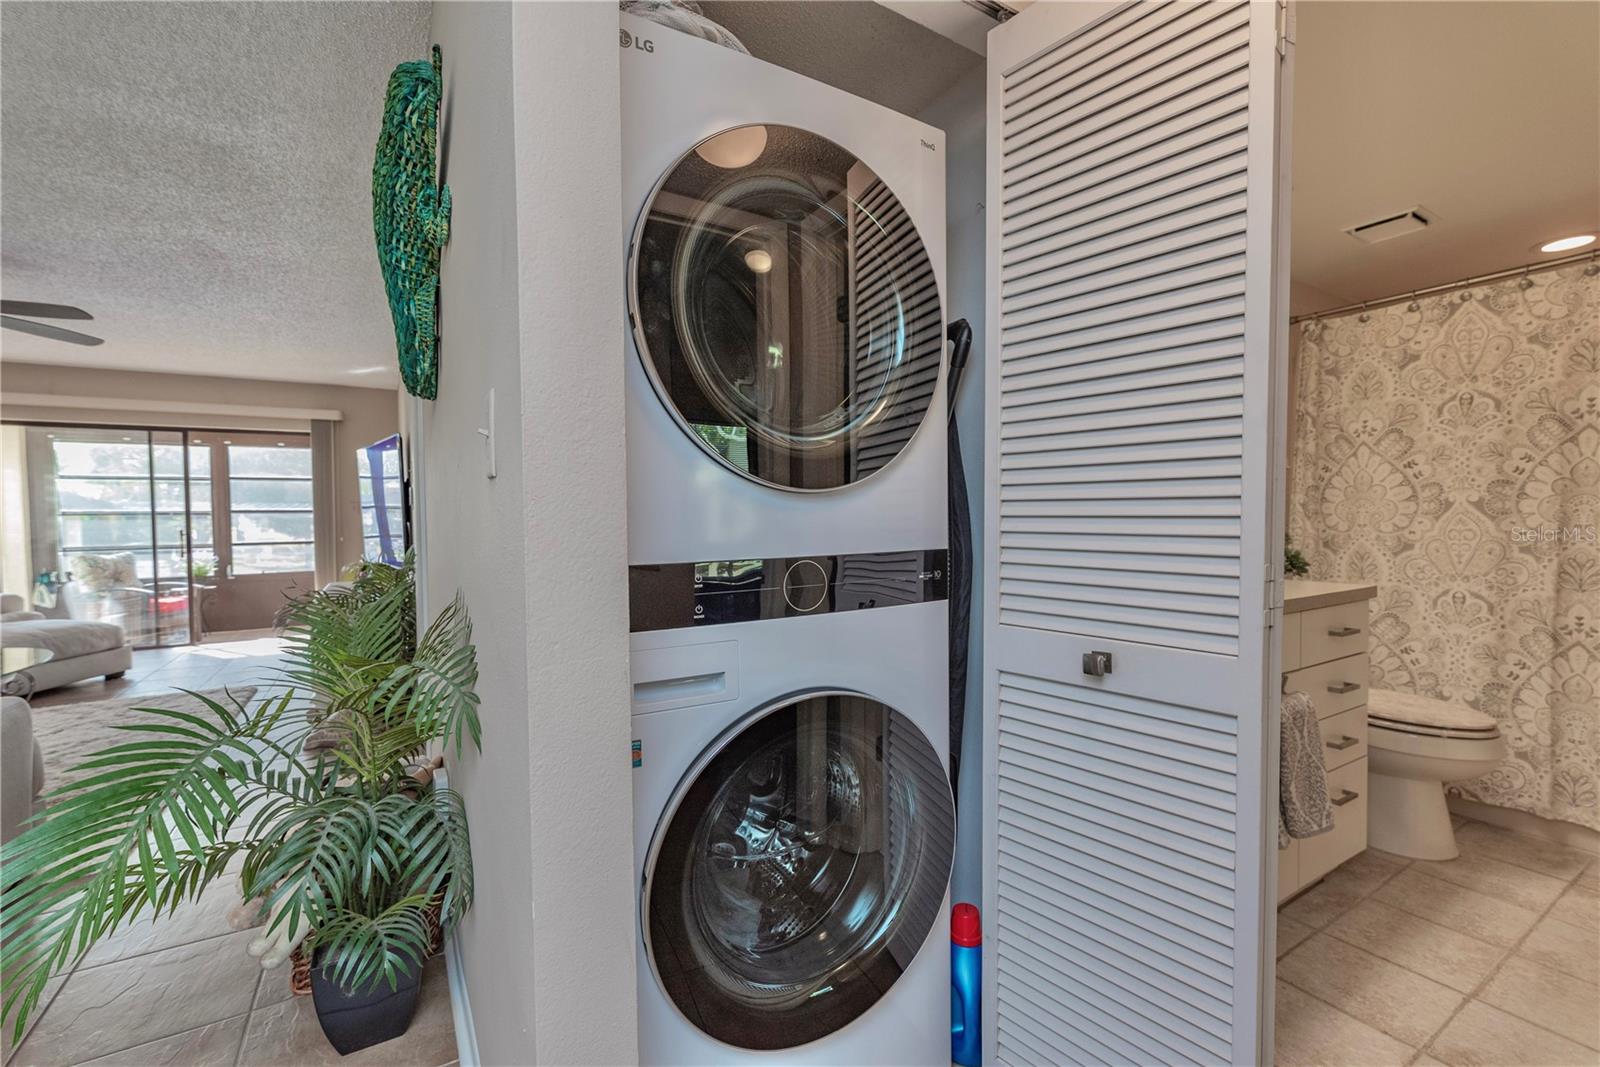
x,y
83,649
21,766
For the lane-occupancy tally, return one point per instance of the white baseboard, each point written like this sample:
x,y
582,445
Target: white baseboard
x,y
455,969
1562,833
460,1006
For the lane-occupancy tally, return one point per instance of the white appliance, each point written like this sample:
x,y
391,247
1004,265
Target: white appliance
x,y
794,827
785,271
793,835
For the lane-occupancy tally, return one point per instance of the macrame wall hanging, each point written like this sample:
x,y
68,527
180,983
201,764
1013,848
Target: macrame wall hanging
x,y
411,217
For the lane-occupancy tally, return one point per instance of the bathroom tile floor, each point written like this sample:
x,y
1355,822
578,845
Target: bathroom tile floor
x,y
183,991
1488,960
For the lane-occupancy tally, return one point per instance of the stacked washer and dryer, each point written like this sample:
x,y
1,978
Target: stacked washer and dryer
x,y
794,827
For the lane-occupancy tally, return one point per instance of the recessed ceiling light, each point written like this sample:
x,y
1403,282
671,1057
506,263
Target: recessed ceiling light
x,y
739,147
758,260
1567,244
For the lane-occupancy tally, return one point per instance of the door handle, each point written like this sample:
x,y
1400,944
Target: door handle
x,y
1344,742
1345,796
1344,687
1097,664
1344,631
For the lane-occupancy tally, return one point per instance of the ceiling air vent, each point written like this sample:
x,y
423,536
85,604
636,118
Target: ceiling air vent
x,y
1384,229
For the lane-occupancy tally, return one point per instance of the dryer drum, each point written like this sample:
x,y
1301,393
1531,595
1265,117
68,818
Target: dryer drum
x,y
785,308
800,870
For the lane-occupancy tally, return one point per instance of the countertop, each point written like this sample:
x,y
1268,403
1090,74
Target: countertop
x,y
1302,595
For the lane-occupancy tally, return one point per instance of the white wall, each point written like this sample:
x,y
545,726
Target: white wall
x,y
960,114
530,307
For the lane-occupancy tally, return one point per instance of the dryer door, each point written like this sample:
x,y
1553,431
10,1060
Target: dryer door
x,y
785,308
800,867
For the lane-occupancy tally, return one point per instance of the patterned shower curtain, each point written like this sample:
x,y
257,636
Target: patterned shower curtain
x,y
1448,449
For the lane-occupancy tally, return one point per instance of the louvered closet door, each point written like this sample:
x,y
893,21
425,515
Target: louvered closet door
x,y
1135,309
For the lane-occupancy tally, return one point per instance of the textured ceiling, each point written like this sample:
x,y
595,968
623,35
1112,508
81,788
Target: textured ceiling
x,y
1487,115
197,176
859,46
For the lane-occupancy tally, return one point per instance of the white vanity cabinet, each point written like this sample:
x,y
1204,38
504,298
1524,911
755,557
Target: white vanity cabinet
x,y
1325,639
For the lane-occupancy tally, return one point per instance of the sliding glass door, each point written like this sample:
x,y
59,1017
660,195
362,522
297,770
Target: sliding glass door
x,y
107,528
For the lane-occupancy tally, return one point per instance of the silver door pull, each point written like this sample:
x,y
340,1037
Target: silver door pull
x,y
1345,796
1097,664
1344,742
1344,687
1344,631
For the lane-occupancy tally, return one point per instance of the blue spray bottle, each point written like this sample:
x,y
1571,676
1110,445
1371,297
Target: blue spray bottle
x,y
966,970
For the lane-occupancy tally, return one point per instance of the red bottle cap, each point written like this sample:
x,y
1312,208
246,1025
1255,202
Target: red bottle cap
x,y
965,930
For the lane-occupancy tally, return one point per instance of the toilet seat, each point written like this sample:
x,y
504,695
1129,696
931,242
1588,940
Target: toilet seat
x,y
1420,716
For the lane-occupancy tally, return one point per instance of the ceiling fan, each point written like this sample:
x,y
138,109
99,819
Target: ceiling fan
x,y
11,309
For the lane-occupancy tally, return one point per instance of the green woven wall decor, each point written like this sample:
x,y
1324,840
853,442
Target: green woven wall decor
x,y
411,217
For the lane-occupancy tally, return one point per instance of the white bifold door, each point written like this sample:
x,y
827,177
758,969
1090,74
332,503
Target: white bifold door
x,y
1136,321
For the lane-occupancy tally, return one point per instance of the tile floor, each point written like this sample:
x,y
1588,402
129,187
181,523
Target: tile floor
x,y
183,990
1488,960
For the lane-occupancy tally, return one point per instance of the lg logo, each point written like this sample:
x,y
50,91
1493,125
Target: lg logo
x,y
627,40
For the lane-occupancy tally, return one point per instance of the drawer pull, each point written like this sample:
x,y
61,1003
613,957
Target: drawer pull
x,y
1344,742
1345,796
1344,631
1344,687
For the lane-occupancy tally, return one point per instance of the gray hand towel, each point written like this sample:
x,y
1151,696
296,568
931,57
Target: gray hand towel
x,y
1303,808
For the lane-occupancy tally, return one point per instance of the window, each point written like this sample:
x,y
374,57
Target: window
x,y
123,496
269,508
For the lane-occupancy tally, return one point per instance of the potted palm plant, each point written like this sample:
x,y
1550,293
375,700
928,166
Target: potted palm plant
x,y
355,852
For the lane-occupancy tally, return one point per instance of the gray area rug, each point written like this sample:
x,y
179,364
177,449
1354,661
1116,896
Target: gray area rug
x,y
69,734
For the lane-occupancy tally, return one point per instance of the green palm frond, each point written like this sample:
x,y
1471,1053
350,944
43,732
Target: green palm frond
x,y
374,948
436,689
146,826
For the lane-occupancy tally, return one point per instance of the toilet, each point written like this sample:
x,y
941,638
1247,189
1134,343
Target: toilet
x,y
1415,745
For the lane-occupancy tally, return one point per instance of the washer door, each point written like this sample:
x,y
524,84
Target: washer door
x,y
800,868
785,308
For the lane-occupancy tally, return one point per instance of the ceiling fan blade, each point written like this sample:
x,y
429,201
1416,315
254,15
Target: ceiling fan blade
x,y
42,311
54,333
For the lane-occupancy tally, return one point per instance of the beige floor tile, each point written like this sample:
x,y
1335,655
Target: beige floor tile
x,y
1483,1036
1404,1005
1553,1000
1546,857
1590,878
215,1045
1579,906
1309,1033
1564,947
1425,1060
134,1001
1446,956
1506,881
274,986
288,1033
1342,888
7,1045
194,921
1461,909
1290,934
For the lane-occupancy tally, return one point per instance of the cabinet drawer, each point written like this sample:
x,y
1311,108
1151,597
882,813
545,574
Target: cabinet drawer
x,y
1334,687
1344,737
1321,854
1330,633
1291,641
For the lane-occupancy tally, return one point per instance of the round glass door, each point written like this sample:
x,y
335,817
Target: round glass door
x,y
800,869
785,308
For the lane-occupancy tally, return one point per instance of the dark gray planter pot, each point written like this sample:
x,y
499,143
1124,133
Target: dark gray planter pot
x,y
354,1021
